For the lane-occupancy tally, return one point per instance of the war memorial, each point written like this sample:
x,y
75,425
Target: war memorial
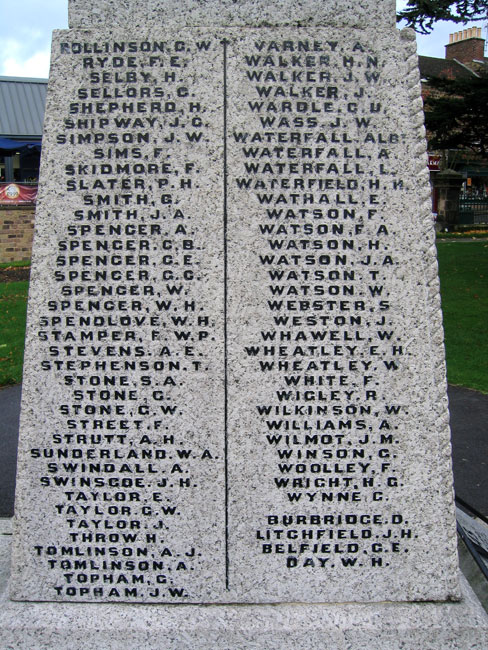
x,y
235,429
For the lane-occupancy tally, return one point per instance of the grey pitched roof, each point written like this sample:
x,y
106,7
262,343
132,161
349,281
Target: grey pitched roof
x,y
22,102
448,68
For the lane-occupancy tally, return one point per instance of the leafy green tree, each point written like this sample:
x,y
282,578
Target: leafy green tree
x,y
458,117
422,14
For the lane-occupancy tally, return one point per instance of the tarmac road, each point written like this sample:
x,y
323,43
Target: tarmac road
x,y
9,433
469,436
469,426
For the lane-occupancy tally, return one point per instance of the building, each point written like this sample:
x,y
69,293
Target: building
x,y
22,104
467,47
464,58
21,117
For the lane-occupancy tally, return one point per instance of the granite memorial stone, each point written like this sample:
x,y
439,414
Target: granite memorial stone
x,y
234,385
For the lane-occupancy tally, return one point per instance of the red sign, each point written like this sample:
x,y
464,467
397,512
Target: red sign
x,y
434,163
16,194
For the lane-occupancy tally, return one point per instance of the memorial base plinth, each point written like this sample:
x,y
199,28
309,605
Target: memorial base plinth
x,y
378,626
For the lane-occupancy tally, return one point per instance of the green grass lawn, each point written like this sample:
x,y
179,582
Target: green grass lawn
x,y
13,303
21,263
463,268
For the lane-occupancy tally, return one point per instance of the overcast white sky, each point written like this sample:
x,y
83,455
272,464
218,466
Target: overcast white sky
x,y
26,26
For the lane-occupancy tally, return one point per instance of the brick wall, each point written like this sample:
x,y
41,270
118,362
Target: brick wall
x,y
467,50
16,231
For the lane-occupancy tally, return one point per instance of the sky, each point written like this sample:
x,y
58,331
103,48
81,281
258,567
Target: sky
x,y
26,26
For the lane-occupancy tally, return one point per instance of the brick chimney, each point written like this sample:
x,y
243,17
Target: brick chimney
x,y
466,45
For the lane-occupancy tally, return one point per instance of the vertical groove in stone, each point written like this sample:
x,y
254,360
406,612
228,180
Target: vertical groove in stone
x,y
224,43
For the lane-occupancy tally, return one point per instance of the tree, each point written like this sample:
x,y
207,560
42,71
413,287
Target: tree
x,y
458,117
422,14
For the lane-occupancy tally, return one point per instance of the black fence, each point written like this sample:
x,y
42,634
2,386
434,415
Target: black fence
x,y
473,209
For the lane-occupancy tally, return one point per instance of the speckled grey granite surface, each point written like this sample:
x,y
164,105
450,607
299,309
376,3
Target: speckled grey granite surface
x,y
382,626
217,13
302,449
235,383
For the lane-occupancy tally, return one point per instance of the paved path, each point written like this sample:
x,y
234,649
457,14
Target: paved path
x,y
9,431
469,425
469,429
